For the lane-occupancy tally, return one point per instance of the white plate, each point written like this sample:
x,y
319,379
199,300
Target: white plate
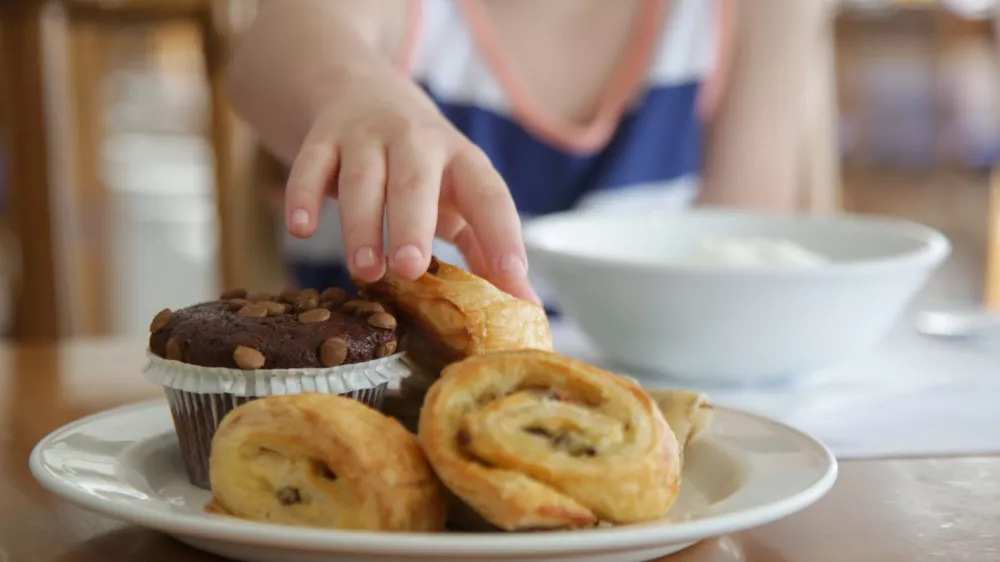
x,y
125,464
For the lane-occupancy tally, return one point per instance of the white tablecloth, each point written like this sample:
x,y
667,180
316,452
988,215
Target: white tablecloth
x,y
911,396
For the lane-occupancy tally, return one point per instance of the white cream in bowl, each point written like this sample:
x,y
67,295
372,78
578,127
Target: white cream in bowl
x,y
737,251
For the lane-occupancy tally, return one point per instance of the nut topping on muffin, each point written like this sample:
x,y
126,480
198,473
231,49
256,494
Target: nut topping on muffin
x,y
174,350
382,320
160,320
314,315
248,358
288,338
333,352
334,295
254,311
275,308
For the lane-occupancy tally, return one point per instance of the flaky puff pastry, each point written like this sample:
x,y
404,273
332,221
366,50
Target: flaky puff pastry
x,y
534,440
689,414
321,460
455,314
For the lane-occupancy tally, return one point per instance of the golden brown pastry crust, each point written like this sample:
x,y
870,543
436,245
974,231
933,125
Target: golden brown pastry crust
x,y
534,440
321,460
689,414
455,314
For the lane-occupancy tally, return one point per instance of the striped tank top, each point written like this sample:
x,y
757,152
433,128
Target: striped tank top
x,y
643,149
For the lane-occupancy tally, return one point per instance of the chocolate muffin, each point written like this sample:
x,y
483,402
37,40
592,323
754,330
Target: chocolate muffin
x,y
212,357
208,334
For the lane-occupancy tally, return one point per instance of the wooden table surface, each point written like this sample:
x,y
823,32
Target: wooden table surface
x,y
942,510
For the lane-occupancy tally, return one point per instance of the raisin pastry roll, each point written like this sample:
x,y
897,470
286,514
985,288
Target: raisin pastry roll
x,y
321,460
533,440
452,314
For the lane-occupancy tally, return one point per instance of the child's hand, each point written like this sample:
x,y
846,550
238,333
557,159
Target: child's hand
x,y
381,146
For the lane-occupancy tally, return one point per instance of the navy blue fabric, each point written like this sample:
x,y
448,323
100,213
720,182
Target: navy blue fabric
x,y
659,140
319,276
309,275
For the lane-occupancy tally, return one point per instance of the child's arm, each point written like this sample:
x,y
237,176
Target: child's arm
x,y
315,79
751,157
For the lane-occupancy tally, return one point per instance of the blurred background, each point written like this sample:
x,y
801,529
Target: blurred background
x,y
127,186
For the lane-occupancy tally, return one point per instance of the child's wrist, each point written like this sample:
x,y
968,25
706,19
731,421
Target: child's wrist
x,y
337,81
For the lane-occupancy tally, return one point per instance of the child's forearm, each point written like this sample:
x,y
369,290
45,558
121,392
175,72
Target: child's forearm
x,y
314,78
753,144
296,56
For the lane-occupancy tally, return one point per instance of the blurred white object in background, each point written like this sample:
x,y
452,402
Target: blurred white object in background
x,y
972,9
164,238
158,168
752,252
626,281
973,324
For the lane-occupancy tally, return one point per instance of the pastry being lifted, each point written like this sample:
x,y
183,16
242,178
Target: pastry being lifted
x,y
453,314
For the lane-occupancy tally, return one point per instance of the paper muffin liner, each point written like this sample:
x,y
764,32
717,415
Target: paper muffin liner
x,y
275,382
200,397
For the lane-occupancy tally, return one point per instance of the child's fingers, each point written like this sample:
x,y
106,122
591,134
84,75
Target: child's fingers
x,y
452,228
522,289
464,239
361,196
311,174
483,199
412,195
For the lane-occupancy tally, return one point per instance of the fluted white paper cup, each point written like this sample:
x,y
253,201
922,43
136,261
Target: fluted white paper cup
x,y
200,397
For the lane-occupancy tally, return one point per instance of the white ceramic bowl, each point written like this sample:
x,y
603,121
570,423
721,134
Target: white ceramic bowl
x,y
626,279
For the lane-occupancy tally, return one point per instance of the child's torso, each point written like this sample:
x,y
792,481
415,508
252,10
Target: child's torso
x,y
597,102
564,52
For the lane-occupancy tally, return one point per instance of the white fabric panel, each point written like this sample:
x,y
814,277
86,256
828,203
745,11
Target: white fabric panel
x,y
448,61
688,46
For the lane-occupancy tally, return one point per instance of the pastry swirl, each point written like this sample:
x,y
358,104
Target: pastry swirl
x,y
321,460
533,440
689,414
455,314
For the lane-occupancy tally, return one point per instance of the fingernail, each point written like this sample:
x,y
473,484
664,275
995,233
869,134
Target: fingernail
x,y
407,253
300,217
512,266
364,257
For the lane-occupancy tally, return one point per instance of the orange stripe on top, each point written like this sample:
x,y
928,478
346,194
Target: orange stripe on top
x,y
411,36
725,45
623,87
